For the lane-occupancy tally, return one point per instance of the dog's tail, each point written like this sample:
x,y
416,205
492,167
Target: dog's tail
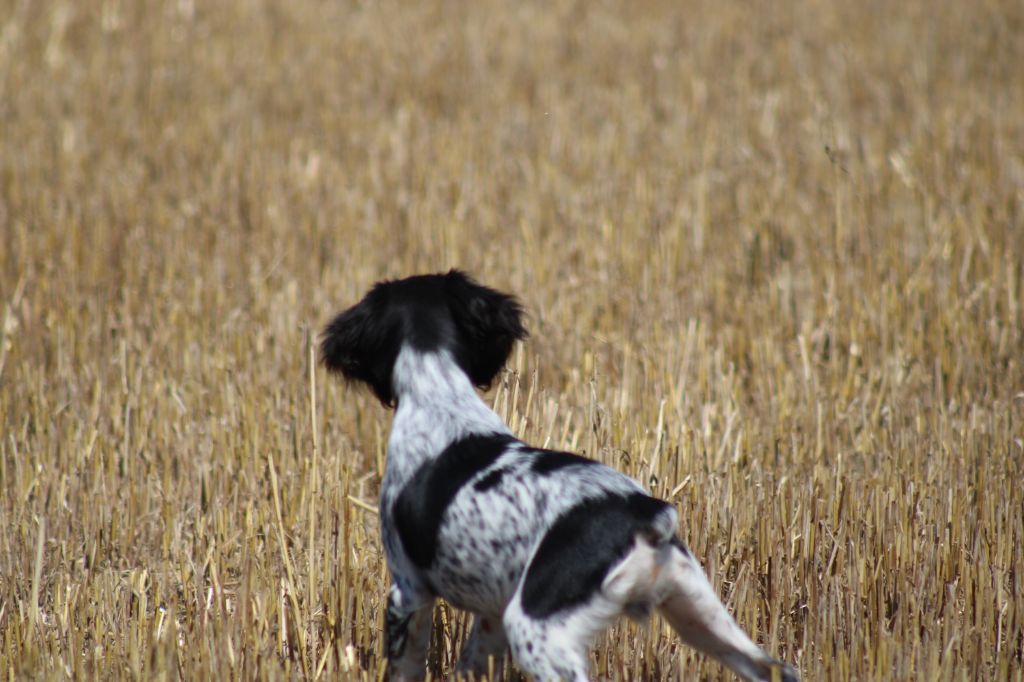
x,y
694,611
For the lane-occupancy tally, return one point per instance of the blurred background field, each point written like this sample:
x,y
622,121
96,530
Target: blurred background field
x,y
772,254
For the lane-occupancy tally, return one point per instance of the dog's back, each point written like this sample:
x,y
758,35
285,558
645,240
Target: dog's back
x,y
472,518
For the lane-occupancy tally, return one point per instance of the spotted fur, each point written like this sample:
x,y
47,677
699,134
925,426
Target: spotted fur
x,y
546,548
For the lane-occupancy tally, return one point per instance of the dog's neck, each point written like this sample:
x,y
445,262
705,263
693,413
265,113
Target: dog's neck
x,y
437,405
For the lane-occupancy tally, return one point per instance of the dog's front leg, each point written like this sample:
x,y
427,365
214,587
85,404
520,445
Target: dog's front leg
x,y
407,632
484,653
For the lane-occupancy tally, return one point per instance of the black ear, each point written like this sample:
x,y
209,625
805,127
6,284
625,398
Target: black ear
x,y
362,344
489,323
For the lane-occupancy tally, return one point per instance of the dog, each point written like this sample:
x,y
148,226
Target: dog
x,y
545,548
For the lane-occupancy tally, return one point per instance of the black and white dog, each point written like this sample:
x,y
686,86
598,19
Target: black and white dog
x,y
546,548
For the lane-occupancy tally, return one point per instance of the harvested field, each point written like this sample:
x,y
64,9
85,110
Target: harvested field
x,y
772,255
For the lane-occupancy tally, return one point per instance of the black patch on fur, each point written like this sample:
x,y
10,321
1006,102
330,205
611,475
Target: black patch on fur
x,y
422,503
478,325
490,480
581,547
547,461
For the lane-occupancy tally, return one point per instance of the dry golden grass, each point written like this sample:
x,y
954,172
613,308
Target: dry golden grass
x,y
773,255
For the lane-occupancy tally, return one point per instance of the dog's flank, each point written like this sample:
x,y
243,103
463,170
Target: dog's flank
x,y
546,548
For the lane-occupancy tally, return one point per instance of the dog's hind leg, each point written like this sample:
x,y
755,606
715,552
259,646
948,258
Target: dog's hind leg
x,y
548,650
555,646
694,611
484,652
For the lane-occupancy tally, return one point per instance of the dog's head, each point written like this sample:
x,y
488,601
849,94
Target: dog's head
x,y
451,312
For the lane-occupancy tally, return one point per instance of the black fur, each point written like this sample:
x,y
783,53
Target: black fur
x,y
489,481
421,504
362,343
489,323
547,461
451,311
581,547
